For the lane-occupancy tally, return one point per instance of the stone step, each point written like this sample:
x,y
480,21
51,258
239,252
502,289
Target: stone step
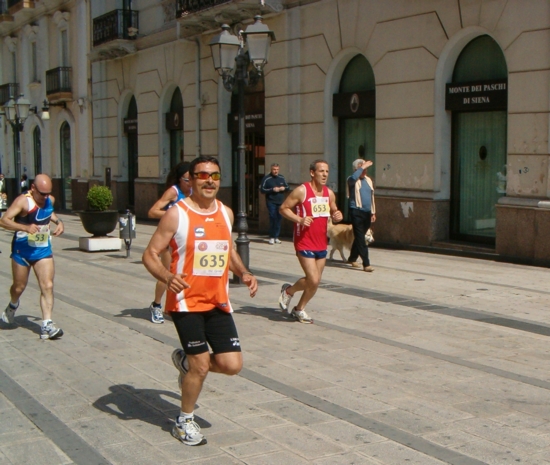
x,y
465,247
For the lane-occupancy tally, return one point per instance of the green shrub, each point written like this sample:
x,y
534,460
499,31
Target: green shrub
x,y
99,198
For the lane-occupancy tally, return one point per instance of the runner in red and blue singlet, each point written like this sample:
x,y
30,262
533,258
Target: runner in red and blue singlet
x,y
309,207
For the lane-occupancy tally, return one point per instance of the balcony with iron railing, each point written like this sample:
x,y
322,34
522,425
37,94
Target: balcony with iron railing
x,y
17,5
187,7
114,34
197,16
8,91
59,84
4,11
115,25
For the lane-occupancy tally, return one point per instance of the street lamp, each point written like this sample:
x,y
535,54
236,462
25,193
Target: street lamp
x,y
46,108
228,52
16,113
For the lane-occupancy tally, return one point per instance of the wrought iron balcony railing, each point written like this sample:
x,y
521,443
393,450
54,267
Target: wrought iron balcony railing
x,y
117,24
58,80
8,91
186,7
16,5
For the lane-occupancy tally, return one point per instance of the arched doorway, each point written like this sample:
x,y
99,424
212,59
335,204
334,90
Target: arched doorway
x,y
37,150
66,166
355,107
131,129
477,98
174,123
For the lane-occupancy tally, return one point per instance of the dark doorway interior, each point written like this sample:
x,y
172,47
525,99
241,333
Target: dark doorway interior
x,y
133,167
254,151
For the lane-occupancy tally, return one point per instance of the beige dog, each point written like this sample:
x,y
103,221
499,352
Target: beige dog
x,y
341,236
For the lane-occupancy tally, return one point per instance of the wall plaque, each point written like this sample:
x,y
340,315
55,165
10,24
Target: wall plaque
x,y
354,104
252,122
130,125
477,96
174,121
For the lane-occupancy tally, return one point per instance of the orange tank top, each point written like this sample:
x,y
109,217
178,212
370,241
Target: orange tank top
x,y
201,249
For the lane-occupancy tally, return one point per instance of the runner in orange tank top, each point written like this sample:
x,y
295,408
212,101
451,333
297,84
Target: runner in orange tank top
x,y
198,231
309,207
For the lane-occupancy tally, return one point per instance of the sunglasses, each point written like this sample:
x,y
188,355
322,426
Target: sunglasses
x,y
43,194
204,175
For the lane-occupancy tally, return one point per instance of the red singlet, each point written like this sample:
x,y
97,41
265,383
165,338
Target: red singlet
x,y
314,237
201,248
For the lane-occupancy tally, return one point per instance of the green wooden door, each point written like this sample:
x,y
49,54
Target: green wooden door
x,y
356,135
479,173
357,141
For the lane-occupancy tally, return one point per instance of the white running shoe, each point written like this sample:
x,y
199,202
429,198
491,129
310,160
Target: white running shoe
x,y
49,331
8,316
189,433
179,359
277,241
285,298
271,241
301,316
156,314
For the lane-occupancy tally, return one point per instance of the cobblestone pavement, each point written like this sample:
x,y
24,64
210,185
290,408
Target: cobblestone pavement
x,y
430,359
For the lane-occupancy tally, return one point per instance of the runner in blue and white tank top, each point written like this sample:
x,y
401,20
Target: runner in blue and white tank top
x,y
29,216
29,248
178,187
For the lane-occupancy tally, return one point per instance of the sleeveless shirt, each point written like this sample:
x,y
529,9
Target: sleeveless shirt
x,y
314,237
201,248
34,246
179,194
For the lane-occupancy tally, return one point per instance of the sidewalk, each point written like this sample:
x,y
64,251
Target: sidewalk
x,y
430,359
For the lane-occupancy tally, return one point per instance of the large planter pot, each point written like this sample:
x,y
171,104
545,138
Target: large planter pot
x,y
99,223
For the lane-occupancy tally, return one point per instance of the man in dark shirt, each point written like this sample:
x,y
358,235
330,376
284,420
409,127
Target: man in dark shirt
x,y
274,185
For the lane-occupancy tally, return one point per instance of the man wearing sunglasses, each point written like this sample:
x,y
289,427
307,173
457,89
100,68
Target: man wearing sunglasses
x,y
29,216
198,231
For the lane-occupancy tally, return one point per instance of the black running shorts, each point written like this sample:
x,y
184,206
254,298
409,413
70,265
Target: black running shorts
x,y
197,330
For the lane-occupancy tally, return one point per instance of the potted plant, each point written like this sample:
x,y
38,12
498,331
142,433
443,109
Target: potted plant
x,y
98,220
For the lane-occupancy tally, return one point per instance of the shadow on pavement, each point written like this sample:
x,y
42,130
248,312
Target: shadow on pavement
x,y
140,313
134,262
271,313
342,265
259,240
27,322
128,403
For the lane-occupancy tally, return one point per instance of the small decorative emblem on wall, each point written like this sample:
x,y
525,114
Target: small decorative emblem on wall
x,y
354,103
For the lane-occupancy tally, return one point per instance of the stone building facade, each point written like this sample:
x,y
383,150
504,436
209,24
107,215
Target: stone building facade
x,y
450,99
43,58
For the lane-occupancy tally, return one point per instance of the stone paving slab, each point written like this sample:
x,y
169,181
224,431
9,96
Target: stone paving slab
x,y
397,369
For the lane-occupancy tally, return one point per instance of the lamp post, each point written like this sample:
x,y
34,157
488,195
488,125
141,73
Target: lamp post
x,y
228,53
16,113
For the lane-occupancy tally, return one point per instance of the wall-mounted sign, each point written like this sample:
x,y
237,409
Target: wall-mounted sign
x,y
354,104
174,121
252,123
477,96
130,125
